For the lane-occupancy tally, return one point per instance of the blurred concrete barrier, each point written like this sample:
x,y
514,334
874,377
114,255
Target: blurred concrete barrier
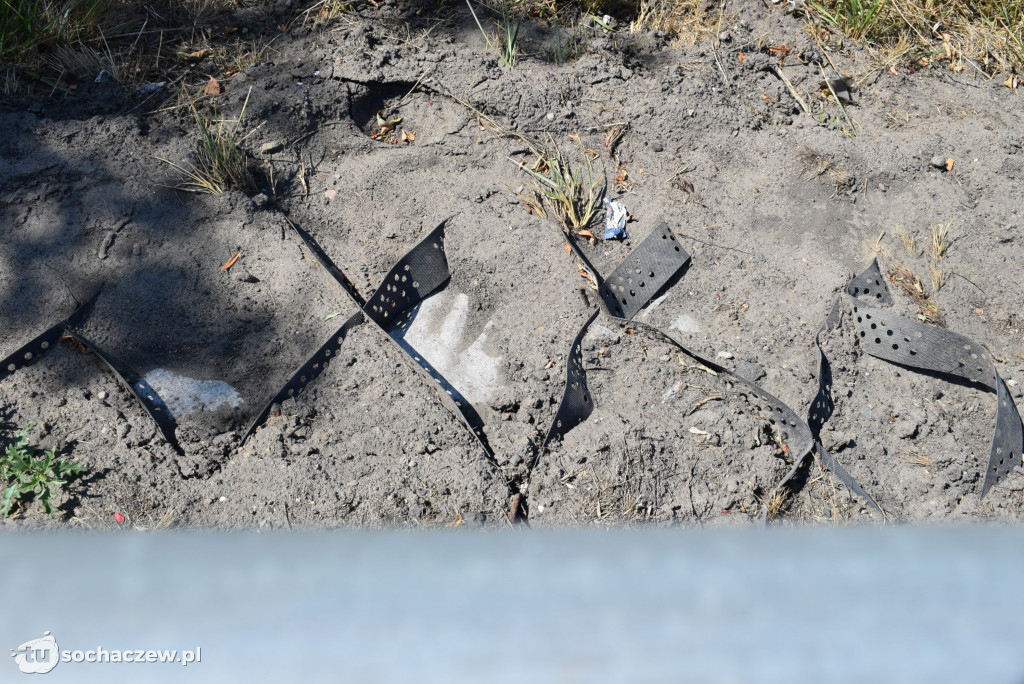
x,y
783,605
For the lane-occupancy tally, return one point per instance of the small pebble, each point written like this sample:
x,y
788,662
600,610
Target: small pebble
x,y
938,162
223,499
101,395
724,355
550,116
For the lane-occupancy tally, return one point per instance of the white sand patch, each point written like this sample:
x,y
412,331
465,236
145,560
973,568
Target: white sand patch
x,y
185,395
685,324
437,333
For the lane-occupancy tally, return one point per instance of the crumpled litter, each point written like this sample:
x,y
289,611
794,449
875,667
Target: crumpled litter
x,y
149,88
615,219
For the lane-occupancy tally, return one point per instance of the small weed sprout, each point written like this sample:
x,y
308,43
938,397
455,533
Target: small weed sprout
x,y
507,42
855,17
572,194
24,471
222,163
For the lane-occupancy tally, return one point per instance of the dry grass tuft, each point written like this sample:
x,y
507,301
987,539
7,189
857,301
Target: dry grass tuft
x,y
688,20
908,240
327,12
905,279
222,163
986,34
921,460
777,502
940,241
816,165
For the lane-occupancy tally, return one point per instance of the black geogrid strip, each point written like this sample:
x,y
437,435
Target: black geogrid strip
x,y
577,404
417,275
30,352
920,347
147,397
640,278
139,388
633,284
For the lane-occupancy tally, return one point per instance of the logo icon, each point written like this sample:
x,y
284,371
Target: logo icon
x,y
37,656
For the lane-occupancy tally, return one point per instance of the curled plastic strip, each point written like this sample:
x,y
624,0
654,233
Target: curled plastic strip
x,y
577,404
147,397
824,405
920,347
326,263
138,387
929,348
30,352
417,275
641,276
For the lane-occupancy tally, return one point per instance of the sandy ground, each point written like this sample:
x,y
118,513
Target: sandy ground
x,y
778,208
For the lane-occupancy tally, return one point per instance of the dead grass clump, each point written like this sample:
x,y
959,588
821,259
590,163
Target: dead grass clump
x,y
687,20
987,33
570,190
777,502
921,460
221,162
326,12
940,241
905,279
816,165
908,240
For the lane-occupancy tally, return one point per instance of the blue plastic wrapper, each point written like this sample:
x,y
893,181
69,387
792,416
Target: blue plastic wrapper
x,y
615,219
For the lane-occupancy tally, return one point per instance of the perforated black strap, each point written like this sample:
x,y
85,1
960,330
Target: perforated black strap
x,y
32,351
643,273
638,279
577,404
325,262
137,386
147,397
417,275
309,371
920,347
929,348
